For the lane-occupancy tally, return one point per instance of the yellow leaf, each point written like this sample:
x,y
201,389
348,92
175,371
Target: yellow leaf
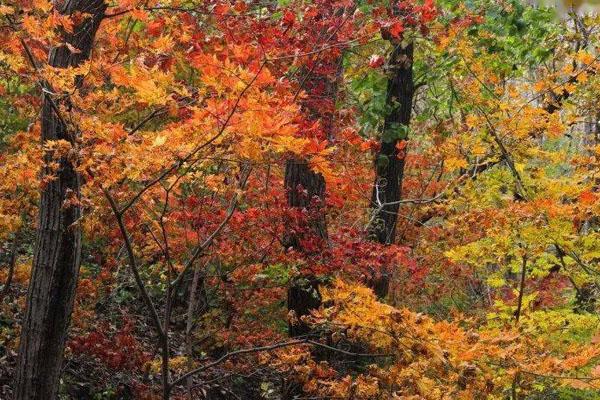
x,y
496,281
6,10
454,163
150,93
159,141
584,57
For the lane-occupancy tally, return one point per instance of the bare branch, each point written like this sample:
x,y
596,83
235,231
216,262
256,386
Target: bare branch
x,y
269,348
133,264
182,161
208,241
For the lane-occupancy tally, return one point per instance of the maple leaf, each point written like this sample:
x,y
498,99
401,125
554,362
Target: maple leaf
x,y
396,28
221,9
6,10
149,92
455,163
139,14
401,145
43,5
156,27
240,6
588,197
159,141
376,61
316,146
288,18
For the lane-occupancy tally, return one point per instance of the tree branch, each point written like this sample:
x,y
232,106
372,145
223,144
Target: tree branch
x,y
133,264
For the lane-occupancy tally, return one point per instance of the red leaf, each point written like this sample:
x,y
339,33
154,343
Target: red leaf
x,y
241,6
376,61
396,29
155,27
221,9
288,18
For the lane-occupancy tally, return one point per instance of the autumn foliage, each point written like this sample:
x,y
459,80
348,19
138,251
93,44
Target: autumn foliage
x,y
179,123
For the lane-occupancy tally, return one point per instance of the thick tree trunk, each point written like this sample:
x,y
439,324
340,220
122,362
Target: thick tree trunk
x,y
58,243
306,190
389,167
303,295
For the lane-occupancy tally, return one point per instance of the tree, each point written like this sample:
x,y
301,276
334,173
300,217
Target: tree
x,y
305,188
58,243
390,160
305,191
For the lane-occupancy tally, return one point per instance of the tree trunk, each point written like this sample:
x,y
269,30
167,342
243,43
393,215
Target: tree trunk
x,y
306,190
14,253
389,167
303,295
58,243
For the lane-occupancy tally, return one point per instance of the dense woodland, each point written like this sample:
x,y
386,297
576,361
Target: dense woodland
x,y
285,199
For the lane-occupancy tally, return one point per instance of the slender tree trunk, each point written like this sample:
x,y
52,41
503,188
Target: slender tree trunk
x,y
14,252
58,243
389,162
521,289
197,281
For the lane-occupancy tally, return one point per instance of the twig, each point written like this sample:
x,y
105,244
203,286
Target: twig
x,y
208,241
268,348
179,163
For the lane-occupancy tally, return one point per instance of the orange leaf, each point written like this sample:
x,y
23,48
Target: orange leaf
x,y
588,197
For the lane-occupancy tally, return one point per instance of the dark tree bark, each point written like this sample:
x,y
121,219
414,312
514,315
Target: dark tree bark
x,y
586,298
306,190
14,253
303,295
389,167
58,243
